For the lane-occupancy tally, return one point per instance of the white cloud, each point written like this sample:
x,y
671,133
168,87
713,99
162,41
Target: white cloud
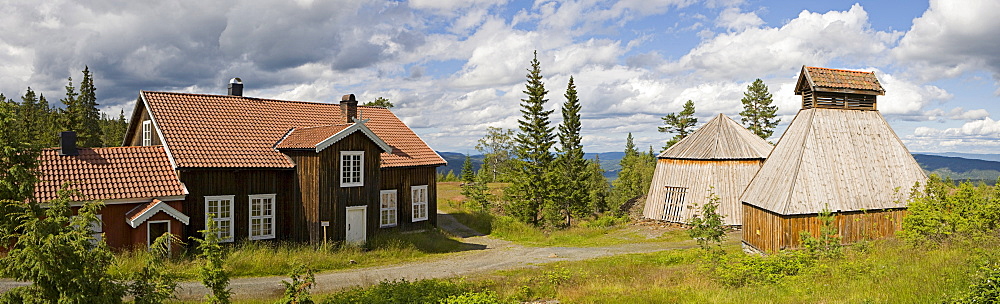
x,y
810,39
953,37
733,20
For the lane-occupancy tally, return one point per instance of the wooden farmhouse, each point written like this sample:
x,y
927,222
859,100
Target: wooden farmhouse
x,y
720,157
263,169
837,154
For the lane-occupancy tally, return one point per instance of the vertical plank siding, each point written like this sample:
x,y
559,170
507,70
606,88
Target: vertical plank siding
x,y
402,179
726,178
770,232
241,184
334,199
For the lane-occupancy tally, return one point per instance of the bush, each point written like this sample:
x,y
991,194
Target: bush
x,y
940,212
740,270
986,289
483,297
402,291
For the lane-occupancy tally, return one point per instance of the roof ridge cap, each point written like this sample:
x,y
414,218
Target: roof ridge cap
x,y
840,70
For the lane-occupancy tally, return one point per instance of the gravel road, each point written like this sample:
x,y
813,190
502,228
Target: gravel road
x,y
491,255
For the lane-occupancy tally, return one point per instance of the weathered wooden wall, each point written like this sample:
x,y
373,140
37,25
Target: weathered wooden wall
x,y
726,178
134,136
402,179
289,216
334,199
770,232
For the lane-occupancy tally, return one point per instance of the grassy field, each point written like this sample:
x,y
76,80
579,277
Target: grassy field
x,y
605,231
254,259
876,272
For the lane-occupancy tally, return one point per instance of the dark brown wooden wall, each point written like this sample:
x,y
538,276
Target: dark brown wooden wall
x,y
402,179
771,232
334,199
289,216
135,135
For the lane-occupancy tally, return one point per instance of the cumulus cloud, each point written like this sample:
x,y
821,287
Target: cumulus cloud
x,y
952,38
810,39
734,20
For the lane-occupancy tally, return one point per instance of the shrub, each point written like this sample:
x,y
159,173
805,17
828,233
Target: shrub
x,y
402,291
986,289
483,297
939,212
708,228
743,270
828,242
297,291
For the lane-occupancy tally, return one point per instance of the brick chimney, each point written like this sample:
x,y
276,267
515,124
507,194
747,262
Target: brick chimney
x,y
349,108
236,87
67,143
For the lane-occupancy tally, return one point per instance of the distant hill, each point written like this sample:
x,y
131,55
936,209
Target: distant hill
x,y
958,168
455,161
989,157
975,167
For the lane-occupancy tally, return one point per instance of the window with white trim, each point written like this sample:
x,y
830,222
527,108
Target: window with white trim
x,y
261,216
418,195
352,172
97,230
147,133
220,208
387,209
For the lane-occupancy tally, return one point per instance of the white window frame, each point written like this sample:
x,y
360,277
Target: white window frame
x,y
418,199
347,180
225,236
150,238
388,208
266,219
147,132
97,230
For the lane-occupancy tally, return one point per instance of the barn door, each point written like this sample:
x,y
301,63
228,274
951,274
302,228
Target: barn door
x,y
674,203
356,225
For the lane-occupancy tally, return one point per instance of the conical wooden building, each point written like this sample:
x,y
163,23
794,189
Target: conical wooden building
x,y
838,154
721,157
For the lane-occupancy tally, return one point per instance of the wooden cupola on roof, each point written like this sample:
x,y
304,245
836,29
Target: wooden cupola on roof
x,y
838,89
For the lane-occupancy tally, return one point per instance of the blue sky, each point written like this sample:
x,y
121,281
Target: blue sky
x,y
456,67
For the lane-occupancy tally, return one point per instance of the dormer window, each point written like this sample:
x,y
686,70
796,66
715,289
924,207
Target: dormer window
x,y
147,133
352,172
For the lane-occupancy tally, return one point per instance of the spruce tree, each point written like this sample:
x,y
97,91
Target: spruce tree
x,y
468,175
635,175
532,187
81,114
573,173
758,112
18,156
679,123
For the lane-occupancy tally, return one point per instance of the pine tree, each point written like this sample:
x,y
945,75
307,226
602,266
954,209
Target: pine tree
x,y
468,175
758,112
113,130
532,187
380,102
54,248
635,175
81,114
679,123
18,156
573,173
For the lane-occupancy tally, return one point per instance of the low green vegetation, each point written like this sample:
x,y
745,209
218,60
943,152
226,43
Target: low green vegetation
x,y
252,259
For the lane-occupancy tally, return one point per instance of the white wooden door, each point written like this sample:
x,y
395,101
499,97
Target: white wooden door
x,y
356,224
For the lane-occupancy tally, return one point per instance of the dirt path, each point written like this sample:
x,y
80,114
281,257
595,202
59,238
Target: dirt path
x,y
494,255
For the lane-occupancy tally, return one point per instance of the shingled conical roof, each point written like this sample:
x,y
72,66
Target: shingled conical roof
x,y
840,160
719,138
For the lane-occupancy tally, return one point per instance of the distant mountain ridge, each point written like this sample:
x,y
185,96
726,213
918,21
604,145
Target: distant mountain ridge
x,y
974,167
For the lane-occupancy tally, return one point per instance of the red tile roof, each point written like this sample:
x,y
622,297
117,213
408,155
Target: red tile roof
x,y
108,173
843,79
222,131
309,137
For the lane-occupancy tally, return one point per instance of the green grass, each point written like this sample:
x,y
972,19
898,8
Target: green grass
x,y
886,272
877,272
604,231
254,259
